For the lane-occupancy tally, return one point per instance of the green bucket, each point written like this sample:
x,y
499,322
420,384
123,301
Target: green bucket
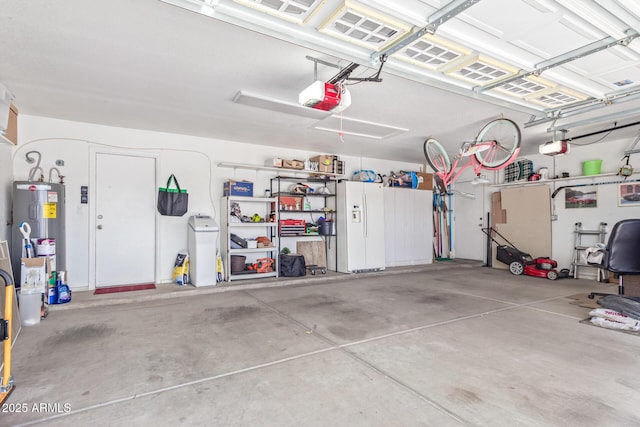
x,y
591,167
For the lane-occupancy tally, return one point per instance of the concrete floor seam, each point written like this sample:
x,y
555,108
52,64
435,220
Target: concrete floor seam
x,y
333,346
515,305
554,313
344,348
178,386
405,386
392,365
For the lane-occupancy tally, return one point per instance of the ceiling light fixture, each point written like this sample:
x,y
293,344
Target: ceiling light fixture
x,y
355,127
273,104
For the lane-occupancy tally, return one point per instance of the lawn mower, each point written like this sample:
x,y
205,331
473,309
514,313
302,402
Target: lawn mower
x,y
521,262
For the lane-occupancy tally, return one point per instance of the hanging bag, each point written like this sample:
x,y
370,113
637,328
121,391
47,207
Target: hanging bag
x,y
172,201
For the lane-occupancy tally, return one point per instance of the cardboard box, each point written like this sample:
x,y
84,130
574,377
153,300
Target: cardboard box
x,y
275,162
425,181
238,188
631,285
325,162
498,215
12,126
293,164
34,273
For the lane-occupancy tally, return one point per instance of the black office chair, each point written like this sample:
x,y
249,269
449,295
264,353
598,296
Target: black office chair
x,y
622,253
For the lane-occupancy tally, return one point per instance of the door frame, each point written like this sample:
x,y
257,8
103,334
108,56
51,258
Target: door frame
x,y
93,184
481,195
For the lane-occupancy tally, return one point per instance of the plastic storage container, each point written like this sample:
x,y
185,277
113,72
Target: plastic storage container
x,y
203,241
591,167
30,303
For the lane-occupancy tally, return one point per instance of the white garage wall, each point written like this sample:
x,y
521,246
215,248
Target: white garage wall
x,y
608,211
193,160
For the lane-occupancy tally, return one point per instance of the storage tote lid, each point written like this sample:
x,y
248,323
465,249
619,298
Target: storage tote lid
x,y
203,223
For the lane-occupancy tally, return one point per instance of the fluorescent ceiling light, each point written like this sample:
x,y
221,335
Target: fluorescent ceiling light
x,y
273,104
344,125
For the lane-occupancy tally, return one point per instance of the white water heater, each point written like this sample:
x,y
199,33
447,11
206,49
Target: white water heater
x,y
41,205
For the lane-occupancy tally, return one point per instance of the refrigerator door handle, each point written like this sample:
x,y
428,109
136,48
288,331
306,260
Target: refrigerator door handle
x,y
364,215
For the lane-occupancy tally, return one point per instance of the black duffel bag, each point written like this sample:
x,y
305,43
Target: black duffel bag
x,y
292,266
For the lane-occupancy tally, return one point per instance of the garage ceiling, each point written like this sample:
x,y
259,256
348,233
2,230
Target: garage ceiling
x,y
232,69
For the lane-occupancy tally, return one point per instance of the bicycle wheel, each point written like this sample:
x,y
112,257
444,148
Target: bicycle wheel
x,y
506,135
436,156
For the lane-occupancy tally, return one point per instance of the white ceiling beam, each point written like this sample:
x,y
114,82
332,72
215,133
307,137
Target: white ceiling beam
x,y
566,57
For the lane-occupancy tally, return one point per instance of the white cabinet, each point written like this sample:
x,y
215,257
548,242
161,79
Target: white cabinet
x,y
408,226
248,231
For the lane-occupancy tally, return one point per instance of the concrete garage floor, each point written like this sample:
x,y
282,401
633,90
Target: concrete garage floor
x,y
454,344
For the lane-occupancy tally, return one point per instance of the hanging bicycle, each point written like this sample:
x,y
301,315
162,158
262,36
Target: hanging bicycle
x,y
496,146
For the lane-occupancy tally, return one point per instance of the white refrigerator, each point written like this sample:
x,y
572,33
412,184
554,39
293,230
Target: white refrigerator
x,y
360,226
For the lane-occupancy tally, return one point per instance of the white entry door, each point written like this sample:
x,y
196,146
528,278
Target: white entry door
x,y
125,220
469,213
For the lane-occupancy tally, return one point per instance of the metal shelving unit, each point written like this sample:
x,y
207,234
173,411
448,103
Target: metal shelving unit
x,y
249,229
280,190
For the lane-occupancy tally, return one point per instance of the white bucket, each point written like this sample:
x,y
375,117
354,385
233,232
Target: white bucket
x,y
30,303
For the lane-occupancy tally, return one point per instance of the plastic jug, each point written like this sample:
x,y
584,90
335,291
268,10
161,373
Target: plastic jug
x,y
30,304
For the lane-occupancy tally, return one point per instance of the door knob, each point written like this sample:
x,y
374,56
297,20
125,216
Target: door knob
x,y
99,227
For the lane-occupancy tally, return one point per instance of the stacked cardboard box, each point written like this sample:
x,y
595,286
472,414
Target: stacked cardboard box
x,y
327,163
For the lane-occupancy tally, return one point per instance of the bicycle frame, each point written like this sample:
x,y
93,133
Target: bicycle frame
x,y
456,170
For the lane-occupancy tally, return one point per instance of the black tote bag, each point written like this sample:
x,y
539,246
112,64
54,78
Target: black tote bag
x,y
172,201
